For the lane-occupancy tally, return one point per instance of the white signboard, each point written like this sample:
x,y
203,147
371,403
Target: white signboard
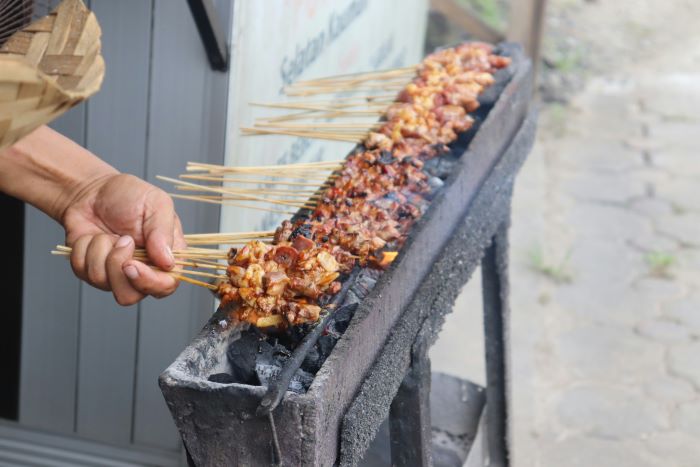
x,y
278,42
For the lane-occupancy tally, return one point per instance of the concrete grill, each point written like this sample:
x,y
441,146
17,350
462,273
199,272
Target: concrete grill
x,y
379,368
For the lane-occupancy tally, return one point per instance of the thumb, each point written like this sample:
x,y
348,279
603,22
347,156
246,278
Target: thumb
x,y
158,229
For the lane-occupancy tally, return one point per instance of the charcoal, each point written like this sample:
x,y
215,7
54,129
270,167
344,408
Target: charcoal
x,y
303,230
271,354
266,372
241,356
435,183
223,378
352,298
386,157
300,381
418,201
364,283
325,344
313,361
342,317
439,167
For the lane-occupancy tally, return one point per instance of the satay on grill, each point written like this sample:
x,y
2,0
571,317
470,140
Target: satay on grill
x,y
366,212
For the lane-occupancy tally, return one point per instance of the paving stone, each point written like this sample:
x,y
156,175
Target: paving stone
x,y
664,331
593,155
684,361
660,289
682,194
600,262
674,135
651,207
604,221
589,452
671,391
681,96
603,187
653,242
686,312
687,418
605,306
609,411
685,227
609,354
682,448
689,266
678,161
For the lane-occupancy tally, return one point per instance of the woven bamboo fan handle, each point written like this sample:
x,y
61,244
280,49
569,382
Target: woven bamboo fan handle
x,y
48,67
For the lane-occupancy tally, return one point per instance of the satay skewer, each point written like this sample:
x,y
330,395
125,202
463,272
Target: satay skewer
x,y
247,131
195,282
201,165
375,74
231,203
225,179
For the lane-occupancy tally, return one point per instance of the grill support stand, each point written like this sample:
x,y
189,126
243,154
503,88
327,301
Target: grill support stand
x,y
494,271
409,416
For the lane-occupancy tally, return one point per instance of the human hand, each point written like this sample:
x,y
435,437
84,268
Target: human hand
x,y
106,219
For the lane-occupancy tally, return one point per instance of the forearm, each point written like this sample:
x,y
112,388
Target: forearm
x,y
48,170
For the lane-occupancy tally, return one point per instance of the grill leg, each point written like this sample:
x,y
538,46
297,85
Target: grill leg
x,y
409,415
494,270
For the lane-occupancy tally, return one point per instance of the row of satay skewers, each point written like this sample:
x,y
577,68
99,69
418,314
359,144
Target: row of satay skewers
x,y
282,189
286,187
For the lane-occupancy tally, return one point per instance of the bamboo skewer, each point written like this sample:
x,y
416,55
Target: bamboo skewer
x,y
231,203
340,113
321,125
347,88
339,102
139,253
224,179
222,198
196,166
195,282
180,275
308,134
223,191
362,75
326,107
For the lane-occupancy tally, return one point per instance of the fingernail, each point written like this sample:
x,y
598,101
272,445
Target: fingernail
x,y
170,254
131,271
123,241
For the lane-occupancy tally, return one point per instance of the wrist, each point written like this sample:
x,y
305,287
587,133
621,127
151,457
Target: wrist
x,y
50,171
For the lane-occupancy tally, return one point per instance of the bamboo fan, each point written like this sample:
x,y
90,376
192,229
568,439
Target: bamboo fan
x,y
48,67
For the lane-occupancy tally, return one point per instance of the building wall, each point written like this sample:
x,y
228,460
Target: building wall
x,y
89,367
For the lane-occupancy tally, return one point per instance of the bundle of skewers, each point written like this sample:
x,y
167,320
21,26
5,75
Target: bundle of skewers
x,y
198,262
347,213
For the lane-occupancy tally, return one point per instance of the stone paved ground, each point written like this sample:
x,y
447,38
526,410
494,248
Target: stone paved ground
x,y
606,252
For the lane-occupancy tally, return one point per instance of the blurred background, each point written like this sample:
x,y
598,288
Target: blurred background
x,y
605,241
605,238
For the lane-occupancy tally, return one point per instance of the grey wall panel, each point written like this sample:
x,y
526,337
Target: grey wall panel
x,y
186,122
160,106
50,311
116,131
